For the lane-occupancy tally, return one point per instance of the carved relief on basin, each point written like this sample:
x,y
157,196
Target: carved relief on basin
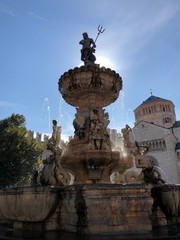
x,y
27,204
95,87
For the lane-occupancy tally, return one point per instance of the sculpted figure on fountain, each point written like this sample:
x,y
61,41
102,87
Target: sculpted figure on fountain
x,y
88,48
95,79
79,125
99,137
125,131
138,166
56,135
74,83
50,172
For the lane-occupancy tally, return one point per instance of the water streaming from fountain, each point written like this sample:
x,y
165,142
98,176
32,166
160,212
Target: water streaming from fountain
x,y
61,115
46,111
119,114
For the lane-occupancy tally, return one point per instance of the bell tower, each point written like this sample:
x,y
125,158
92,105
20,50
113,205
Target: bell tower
x,y
156,110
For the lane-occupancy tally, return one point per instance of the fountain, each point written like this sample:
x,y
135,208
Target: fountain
x,y
137,203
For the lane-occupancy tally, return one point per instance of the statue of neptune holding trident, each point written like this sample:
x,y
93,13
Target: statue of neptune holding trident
x,y
88,48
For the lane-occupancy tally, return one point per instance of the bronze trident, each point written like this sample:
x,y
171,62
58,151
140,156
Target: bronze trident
x,y
100,30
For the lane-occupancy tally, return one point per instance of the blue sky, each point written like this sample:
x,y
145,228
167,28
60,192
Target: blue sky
x,y
39,41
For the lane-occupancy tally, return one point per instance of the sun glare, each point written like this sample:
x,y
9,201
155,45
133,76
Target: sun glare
x,y
104,62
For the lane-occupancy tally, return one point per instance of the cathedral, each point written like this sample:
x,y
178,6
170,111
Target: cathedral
x,y
157,128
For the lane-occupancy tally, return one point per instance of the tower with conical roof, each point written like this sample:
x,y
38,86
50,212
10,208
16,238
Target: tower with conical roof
x,y
156,110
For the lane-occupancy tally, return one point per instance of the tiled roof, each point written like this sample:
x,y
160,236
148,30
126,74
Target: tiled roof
x,y
153,98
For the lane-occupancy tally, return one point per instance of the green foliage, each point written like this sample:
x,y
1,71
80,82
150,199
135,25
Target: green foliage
x,y
19,153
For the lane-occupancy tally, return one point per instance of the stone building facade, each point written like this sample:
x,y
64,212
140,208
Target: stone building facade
x,y
156,127
40,137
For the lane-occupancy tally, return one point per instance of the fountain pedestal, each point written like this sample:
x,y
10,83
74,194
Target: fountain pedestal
x,y
89,156
105,209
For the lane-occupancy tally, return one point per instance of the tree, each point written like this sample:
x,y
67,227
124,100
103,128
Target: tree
x,y
19,153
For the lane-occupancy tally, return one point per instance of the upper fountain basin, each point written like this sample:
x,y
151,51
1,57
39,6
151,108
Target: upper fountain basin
x,y
90,86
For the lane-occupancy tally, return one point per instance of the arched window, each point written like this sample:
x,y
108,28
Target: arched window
x,y
153,145
167,120
164,144
150,146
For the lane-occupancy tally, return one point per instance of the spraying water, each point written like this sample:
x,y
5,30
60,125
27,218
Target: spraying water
x,y
61,102
121,114
47,112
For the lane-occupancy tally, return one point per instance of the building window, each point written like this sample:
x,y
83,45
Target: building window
x,y
178,154
154,145
164,144
167,120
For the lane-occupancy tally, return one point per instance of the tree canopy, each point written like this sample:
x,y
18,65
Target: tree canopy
x,y
19,153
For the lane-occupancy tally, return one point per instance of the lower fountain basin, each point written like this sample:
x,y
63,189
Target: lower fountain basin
x,y
92,208
32,204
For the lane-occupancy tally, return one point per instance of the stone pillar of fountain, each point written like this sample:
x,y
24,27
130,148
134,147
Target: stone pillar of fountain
x,y
89,156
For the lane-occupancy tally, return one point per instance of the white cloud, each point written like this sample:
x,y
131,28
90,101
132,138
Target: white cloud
x,y
133,28
9,11
35,16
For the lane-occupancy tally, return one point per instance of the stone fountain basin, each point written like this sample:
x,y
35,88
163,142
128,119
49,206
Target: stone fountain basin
x,y
96,87
28,204
168,198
